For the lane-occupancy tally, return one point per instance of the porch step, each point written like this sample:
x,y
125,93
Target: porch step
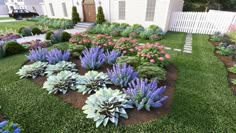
x,y
84,25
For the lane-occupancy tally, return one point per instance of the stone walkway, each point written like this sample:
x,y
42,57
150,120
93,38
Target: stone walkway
x,y
188,44
9,20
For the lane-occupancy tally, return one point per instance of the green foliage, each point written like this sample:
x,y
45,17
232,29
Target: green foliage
x,y
153,27
224,51
233,81
61,46
138,28
75,15
232,69
65,36
151,71
76,50
126,32
61,82
2,51
48,35
155,37
232,36
26,31
106,105
92,81
100,16
13,47
33,71
36,31
59,67
134,35
146,34
131,60
20,29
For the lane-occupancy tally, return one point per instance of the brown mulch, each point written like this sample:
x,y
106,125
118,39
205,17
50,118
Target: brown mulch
x,y
2,118
77,100
228,62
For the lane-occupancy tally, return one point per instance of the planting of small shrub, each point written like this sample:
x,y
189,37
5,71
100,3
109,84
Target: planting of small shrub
x,y
75,15
126,46
134,61
55,23
48,35
39,54
29,31
81,39
112,56
56,55
14,48
59,36
34,44
216,37
104,41
36,31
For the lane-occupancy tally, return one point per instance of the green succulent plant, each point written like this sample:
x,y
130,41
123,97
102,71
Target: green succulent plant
x,y
61,82
106,105
33,70
60,66
92,81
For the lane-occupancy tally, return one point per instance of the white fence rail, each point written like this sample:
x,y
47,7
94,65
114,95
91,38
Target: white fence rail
x,y
201,22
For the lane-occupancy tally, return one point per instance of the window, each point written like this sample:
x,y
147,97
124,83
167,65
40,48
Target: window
x,y
122,10
150,11
64,9
51,8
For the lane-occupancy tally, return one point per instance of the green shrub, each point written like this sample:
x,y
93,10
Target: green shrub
x,y
115,33
2,51
233,81
151,71
146,34
26,31
232,36
138,28
124,25
76,50
153,27
115,24
19,31
56,37
48,35
224,51
62,46
100,16
75,15
131,60
155,37
232,69
65,36
126,32
36,31
134,35
14,48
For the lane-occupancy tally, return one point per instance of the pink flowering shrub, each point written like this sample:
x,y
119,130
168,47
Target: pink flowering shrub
x,y
126,46
104,41
153,53
81,39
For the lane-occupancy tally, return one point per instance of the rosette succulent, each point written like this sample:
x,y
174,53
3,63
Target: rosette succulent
x,y
60,66
106,105
39,54
145,95
92,58
122,74
92,81
61,82
32,71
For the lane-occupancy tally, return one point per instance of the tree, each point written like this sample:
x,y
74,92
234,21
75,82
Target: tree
x,y
75,15
100,16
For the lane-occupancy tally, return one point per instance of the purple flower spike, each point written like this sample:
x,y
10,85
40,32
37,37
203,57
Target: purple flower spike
x,y
146,95
112,56
122,74
56,55
39,54
92,58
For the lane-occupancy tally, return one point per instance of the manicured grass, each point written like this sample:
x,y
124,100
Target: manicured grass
x,y
15,25
5,18
202,102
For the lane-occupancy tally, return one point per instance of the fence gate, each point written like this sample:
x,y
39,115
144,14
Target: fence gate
x,y
201,22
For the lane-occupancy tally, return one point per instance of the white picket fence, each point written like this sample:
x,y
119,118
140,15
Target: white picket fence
x,y
201,22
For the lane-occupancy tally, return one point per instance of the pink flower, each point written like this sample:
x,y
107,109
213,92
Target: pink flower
x,y
105,44
161,58
131,50
143,55
124,51
167,56
152,60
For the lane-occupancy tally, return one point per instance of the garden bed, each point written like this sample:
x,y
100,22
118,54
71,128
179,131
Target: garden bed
x,y
228,62
77,100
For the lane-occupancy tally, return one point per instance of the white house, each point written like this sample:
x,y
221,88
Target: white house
x,y
145,12
31,5
3,8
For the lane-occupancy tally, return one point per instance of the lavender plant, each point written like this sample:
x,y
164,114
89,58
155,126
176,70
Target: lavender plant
x,y
8,37
92,58
56,55
122,74
145,95
39,54
112,56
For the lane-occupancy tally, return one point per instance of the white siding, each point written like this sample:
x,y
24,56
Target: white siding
x,y
3,10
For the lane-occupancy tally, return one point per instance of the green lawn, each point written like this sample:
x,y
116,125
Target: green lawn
x,y
202,102
15,25
5,18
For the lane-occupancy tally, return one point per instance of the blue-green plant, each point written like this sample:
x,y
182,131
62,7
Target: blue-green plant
x,y
61,82
145,95
92,81
126,32
60,66
106,105
33,70
146,34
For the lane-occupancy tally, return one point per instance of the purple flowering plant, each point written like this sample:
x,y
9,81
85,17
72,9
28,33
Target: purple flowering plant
x,y
122,74
112,56
144,94
92,58
9,127
56,55
8,37
39,54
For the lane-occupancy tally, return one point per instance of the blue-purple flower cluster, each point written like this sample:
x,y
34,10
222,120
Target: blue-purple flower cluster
x,y
112,56
92,58
145,95
122,74
8,37
54,56
9,127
